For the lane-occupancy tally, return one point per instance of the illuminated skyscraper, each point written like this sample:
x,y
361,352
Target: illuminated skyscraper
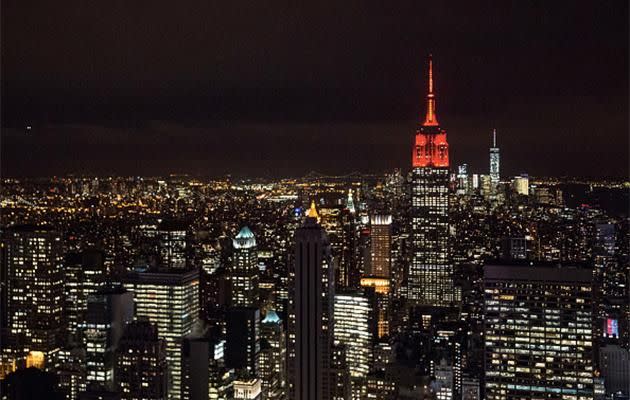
x,y
171,302
108,312
494,160
273,356
173,238
430,277
521,184
354,329
33,285
538,331
84,274
311,318
244,272
381,246
379,289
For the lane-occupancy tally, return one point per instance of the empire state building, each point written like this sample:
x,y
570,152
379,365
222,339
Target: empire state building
x,y
430,275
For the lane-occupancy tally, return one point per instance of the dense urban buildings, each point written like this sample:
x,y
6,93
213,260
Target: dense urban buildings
x,y
425,282
169,300
538,332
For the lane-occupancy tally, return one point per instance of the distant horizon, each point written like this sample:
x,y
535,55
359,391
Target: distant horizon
x,y
623,180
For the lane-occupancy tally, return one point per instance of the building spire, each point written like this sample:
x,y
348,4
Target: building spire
x,y
431,117
312,212
494,137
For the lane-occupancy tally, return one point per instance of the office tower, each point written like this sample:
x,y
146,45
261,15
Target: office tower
x,y
273,356
171,302
362,255
354,330
84,273
204,374
462,179
340,386
378,290
380,387
449,346
108,311
494,161
75,303
311,318
215,294
250,389
337,222
214,283
443,385
538,332
521,184
380,246
430,276
141,366
71,371
244,274
33,284
173,244
243,340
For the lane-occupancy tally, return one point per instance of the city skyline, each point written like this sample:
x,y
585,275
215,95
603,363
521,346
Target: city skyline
x,y
549,79
246,223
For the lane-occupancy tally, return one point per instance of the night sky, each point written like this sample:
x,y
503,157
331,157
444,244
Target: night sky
x,y
280,88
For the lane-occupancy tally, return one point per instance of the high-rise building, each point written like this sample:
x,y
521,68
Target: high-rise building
x,y
311,318
33,285
84,274
538,332
430,276
354,330
243,340
141,366
378,290
204,374
173,244
71,371
381,245
521,184
171,302
108,312
244,274
494,160
463,182
273,356
336,220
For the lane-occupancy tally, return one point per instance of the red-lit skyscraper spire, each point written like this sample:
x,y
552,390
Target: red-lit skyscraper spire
x,y
431,118
430,274
431,147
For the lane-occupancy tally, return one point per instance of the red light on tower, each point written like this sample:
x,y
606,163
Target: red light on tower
x,y
431,147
